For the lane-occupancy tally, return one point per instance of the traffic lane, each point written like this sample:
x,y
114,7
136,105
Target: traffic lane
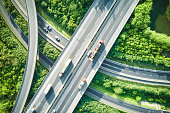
x,y
134,79
94,62
90,28
43,24
41,103
67,93
145,74
114,64
110,67
72,90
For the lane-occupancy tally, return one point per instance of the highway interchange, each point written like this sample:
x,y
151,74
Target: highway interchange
x,y
131,73
87,69
73,50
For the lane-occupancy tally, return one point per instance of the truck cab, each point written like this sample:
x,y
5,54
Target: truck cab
x,y
47,89
64,68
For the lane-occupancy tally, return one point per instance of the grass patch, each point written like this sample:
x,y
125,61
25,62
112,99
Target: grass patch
x,y
132,92
90,105
139,64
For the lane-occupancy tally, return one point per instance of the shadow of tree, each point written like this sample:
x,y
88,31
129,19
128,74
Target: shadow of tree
x,y
158,8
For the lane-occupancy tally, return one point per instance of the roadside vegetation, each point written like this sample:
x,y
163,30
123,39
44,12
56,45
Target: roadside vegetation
x,y
90,105
12,65
65,13
47,49
43,45
132,92
140,45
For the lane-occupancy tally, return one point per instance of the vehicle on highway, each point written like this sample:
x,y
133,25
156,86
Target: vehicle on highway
x,y
95,50
82,83
47,89
58,40
65,67
45,29
49,28
89,53
32,110
54,111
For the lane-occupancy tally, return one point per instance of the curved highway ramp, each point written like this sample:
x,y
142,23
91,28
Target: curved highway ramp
x,y
31,58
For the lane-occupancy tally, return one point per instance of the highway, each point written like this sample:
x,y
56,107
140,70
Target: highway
x,y
131,73
73,50
71,94
141,75
50,35
31,58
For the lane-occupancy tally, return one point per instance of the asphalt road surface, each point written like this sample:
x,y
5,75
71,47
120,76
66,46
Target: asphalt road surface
x,y
135,74
70,95
49,35
73,50
31,58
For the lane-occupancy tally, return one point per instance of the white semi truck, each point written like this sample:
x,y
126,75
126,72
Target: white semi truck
x,y
65,67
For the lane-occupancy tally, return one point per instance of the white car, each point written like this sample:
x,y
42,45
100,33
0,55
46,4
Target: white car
x,y
89,53
54,111
81,83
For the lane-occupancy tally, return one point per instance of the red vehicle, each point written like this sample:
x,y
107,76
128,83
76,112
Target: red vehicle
x,y
96,50
82,83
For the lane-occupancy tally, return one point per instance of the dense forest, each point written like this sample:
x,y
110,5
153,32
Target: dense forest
x,y
89,105
137,43
67,13
12,65
135,92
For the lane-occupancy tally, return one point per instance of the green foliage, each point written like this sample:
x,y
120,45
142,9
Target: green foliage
x,y
19,20
67,13
137,43
47,49
12,66
168,11
133,90
89,105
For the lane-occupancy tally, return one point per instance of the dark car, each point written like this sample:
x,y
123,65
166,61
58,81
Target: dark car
x,y
49,28
45,29
58,40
